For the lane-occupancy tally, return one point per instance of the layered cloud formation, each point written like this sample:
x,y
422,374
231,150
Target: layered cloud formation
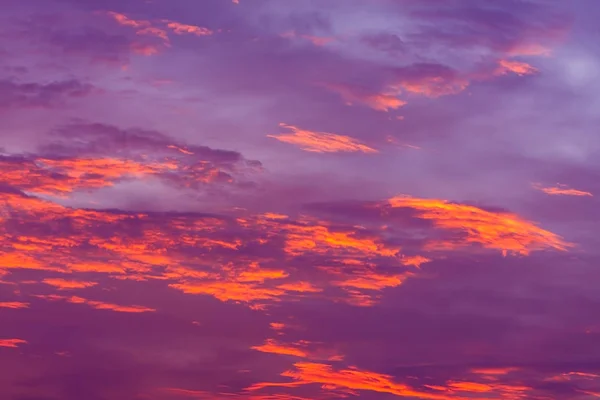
x,y
265,201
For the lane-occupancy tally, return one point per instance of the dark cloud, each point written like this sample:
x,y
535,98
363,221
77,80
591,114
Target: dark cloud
x,y
46,95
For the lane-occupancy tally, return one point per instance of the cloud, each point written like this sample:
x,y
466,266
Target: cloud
x,y
63,284
159,31
516,67
15,94
385,101
99,305
348,259
496,230
137,213
301,349
271,346
315,40
93,156
353,379
13,304
183,29
11,342
321,142
561,189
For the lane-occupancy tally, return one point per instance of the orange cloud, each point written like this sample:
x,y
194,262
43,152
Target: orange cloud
x,y
11,342
147,28
352,378
321,142
277,326
319,238
143,28
161,251
301,349
229,291
505,391
378,101
516,67
99,305
271,346
126,21
361,284
495,230
63,284
65,175
13,304
182,29
561,189
199,255
414,261
372,282
303,287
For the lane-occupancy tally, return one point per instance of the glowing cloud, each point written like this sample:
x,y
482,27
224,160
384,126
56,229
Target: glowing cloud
x,y
352,378
516,67
271,346
11,342
321,142
182,29
317,237
99,305
302,287
63,284
495,230
147,28
561,190
13,304
230,291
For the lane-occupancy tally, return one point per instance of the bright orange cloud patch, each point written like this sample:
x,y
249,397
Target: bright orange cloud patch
x,y
414,261
63,284
11,342
516,67
317,237
321,142
303,287
99,305
13,304
495,230
230,291
65,175
352,378
561,190
301,349
271,346
182,29
147,28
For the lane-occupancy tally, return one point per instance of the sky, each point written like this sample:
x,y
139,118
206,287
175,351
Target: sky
x,y
294,200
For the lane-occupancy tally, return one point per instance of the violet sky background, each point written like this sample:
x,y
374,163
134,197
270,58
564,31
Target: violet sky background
x,y
309,199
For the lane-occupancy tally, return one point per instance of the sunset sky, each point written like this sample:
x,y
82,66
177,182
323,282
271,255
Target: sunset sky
x,y
299,199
